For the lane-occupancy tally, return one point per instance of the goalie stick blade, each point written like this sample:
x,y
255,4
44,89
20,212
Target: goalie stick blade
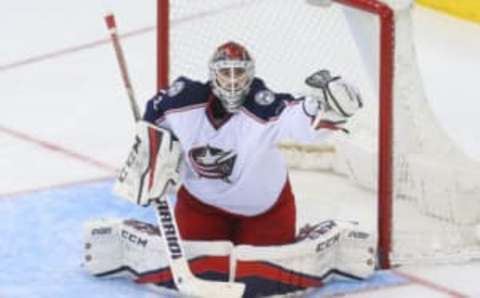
x,y
211,289
192,286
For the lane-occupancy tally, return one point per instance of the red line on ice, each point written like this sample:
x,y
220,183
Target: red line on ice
x,y
57,148
431,285
106,40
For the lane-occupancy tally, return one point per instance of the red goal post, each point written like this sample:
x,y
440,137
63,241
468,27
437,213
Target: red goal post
x,y
386,64
392,172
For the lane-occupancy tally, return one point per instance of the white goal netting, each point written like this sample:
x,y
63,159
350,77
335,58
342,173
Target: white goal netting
x,y
436,189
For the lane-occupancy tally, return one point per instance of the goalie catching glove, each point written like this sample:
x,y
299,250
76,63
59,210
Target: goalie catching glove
x,y
333,102
152,167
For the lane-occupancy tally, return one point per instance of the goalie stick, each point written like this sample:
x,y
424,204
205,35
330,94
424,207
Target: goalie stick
x,y
186,283
112,28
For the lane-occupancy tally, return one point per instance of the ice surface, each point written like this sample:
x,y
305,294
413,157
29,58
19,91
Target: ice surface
x,y
61,86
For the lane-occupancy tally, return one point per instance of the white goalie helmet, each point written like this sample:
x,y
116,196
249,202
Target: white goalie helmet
x,y
232,70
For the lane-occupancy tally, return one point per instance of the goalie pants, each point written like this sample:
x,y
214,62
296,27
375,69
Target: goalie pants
x,y
199,221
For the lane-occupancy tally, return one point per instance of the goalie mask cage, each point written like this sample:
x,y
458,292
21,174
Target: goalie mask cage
x,y
427,190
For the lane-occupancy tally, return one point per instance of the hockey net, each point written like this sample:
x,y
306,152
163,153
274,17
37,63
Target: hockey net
x,y
427,190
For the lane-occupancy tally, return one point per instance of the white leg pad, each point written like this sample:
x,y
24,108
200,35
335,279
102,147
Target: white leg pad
x,y
331,249
325,251
357,250
118,247
103,249
291,268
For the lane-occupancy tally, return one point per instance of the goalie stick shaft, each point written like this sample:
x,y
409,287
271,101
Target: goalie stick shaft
x,y
184,279
112,28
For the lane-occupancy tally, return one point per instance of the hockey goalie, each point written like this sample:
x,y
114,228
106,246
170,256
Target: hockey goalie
x,y
232,231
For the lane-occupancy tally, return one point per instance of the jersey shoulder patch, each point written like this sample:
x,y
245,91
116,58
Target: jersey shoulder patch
x,y
264,97
177,87
182,93
264,103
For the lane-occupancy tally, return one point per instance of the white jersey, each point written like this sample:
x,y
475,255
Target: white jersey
x,y
231,160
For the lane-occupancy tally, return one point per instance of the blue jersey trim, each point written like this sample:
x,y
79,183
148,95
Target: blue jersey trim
x,y
266,111
182,93
185,92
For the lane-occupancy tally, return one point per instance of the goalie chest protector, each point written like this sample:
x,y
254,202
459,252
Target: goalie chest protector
x,y
233,164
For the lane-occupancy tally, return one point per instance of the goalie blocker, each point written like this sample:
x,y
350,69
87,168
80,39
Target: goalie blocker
x,y
152,167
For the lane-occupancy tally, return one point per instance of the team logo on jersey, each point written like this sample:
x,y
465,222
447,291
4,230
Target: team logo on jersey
x,y
212,163
264,97
176,88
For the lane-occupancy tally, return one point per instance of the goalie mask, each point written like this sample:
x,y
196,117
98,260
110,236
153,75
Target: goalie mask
x,y
231,74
